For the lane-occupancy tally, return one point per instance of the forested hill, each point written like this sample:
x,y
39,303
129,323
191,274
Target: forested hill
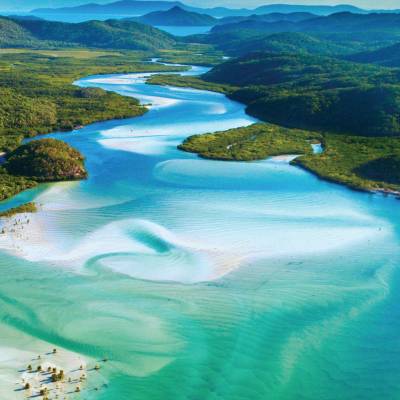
x,y
241,43
111,34
339,34
349,22
13,34
177,16
361,26
305,91
387,56
339,22
272,17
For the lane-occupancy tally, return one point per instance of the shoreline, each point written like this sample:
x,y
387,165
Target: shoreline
x,y
378,190
142,108
146,108
294,163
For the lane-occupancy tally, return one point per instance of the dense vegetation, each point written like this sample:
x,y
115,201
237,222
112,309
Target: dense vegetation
x,y
340,34
39,161
12,34
307,92
46,160
339,26
251,143
358,162
268,17
111,34
23,208
37,96
190,81
11,184
388,56
240,43
313,92
192,54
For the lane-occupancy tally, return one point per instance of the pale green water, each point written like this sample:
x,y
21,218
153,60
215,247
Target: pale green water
x,y
201,279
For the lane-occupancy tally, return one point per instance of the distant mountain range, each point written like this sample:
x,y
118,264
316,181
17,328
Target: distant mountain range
x,y
341,23
122,7
338,34
272,17
27,5
177,16
319,10
141,7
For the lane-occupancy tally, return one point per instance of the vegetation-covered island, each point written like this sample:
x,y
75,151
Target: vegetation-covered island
x,y
255,142
45,160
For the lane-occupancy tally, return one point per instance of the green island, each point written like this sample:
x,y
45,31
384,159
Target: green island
x,y
255,142
45,160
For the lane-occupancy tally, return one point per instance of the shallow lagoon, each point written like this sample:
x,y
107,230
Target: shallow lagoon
x,y
202,279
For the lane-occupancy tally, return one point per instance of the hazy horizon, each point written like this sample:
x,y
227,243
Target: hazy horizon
x,y
25,5
369,4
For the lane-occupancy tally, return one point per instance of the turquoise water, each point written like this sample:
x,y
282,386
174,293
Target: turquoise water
x,y
204,279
